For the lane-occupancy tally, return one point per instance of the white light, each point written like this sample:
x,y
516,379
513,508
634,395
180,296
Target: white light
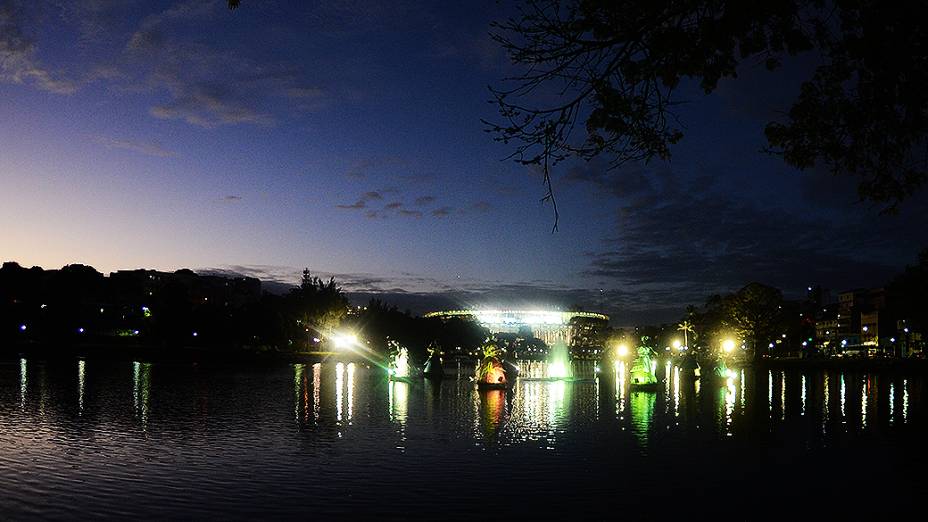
x,y
344,340
195,334
728,345
866,328
892,339
623,350
80,330
22,328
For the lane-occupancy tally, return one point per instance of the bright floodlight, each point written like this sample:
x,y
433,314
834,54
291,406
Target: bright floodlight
x,y
676,344
344,340
728,345
623,350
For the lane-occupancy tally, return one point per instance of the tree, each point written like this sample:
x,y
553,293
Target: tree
x,y
320,305
687,328
615,68
755,313
907,293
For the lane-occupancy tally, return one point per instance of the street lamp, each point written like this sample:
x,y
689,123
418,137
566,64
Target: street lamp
x,y
728,345
623,350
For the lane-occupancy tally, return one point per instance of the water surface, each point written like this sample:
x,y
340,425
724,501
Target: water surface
x,y
126,439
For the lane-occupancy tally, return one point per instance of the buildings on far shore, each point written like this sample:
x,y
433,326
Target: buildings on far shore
x,y
862,321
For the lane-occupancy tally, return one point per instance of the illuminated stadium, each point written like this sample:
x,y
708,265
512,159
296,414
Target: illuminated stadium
x,y
574,329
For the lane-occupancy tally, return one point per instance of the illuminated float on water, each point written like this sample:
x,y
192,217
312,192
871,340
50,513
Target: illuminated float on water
x,y
400,369
492,371
434,368
642,375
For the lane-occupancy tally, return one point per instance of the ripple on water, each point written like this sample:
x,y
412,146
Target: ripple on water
x,y
176,441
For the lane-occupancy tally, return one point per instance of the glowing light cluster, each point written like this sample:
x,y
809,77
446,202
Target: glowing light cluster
x,y
344,340
501,317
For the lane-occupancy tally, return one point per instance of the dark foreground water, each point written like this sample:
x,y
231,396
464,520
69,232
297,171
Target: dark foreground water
x,y
92,438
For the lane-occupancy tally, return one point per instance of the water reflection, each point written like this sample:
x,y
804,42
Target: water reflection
x,y
75,426
864,388
80,386
642,411
399,401
729,403
141,391
326,394
339,390
317,391
300,393
23,383
492,408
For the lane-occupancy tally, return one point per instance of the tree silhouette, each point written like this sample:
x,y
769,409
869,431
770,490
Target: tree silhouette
x,y
755,312
613,68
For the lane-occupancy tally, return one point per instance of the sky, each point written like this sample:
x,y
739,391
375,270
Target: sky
x,y
346,137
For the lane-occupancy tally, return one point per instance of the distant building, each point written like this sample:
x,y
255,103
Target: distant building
x,y
581,331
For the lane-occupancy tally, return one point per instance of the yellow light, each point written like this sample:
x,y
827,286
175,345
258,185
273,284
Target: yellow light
x,y
728,345
676,344
344,340
623,350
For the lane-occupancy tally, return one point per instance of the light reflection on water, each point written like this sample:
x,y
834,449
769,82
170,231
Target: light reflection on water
x,y
76,422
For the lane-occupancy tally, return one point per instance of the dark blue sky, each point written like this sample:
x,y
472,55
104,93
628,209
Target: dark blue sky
x,y
346,137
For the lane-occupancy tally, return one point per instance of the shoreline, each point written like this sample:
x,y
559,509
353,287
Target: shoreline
x,y
158,353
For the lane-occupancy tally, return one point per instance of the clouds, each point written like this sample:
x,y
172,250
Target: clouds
x,y
206,85
363,200
397,206
365,167
680,240
18,61
422,294
208,105
185,54
141,147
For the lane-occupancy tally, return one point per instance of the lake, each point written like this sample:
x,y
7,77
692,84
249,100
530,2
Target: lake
x,y
96,438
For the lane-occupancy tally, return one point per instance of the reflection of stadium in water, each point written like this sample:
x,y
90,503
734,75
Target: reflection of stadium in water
x,y
581,331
